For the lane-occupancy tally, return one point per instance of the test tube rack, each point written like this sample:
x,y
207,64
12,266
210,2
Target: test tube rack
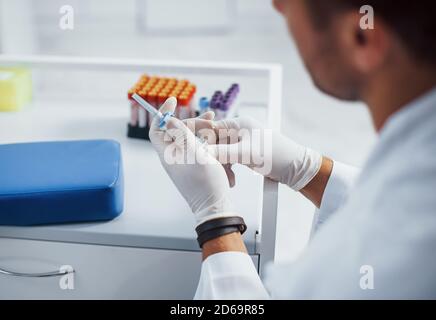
x,y
155,90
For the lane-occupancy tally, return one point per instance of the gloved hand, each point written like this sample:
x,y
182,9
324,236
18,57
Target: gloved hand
x,y
245,141
198,176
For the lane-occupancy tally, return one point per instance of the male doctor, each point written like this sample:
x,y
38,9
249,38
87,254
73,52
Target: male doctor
x,y
381,218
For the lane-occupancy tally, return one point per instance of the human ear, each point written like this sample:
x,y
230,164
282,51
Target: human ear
x,y
365,49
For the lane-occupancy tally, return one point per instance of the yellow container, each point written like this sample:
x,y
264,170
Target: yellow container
x,y
15,88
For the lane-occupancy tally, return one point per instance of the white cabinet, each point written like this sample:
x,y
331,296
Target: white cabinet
x,y
100,272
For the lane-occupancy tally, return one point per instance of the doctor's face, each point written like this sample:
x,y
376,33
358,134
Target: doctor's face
x,y
322,49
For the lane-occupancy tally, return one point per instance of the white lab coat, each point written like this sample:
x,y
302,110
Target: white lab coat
x,y
376,231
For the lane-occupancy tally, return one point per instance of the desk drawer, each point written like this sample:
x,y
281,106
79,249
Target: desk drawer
x,y
100,272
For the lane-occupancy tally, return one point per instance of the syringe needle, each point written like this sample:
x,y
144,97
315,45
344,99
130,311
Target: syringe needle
x,y
163,118
154,112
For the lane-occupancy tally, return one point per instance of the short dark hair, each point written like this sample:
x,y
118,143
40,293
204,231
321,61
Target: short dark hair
x,y
413,22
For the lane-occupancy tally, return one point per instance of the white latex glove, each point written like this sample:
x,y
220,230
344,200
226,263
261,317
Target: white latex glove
x,y
264,150
202,181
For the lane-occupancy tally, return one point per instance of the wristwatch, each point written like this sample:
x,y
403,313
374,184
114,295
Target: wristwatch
x,y
219,227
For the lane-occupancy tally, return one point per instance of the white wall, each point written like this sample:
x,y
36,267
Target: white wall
x,y
16,26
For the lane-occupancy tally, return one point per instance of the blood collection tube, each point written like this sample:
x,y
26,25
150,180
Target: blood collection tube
x,y
203,105
215,104
161,97
230,105
133,113
183,111
219,110
151,99
191,105
142,117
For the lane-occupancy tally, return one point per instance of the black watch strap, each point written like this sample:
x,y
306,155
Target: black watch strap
x,y
215,228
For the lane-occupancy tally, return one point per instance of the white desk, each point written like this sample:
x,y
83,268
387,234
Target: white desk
x,y
149,251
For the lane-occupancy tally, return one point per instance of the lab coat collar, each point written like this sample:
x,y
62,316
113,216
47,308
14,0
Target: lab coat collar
x,y
411,114
403,130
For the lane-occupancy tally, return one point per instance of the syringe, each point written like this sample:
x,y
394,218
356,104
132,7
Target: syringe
x,y
153,111
163,117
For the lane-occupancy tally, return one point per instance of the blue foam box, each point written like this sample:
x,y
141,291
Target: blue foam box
x,y
60,182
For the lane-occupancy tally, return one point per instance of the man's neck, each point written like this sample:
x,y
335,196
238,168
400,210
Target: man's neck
x,y
390,92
